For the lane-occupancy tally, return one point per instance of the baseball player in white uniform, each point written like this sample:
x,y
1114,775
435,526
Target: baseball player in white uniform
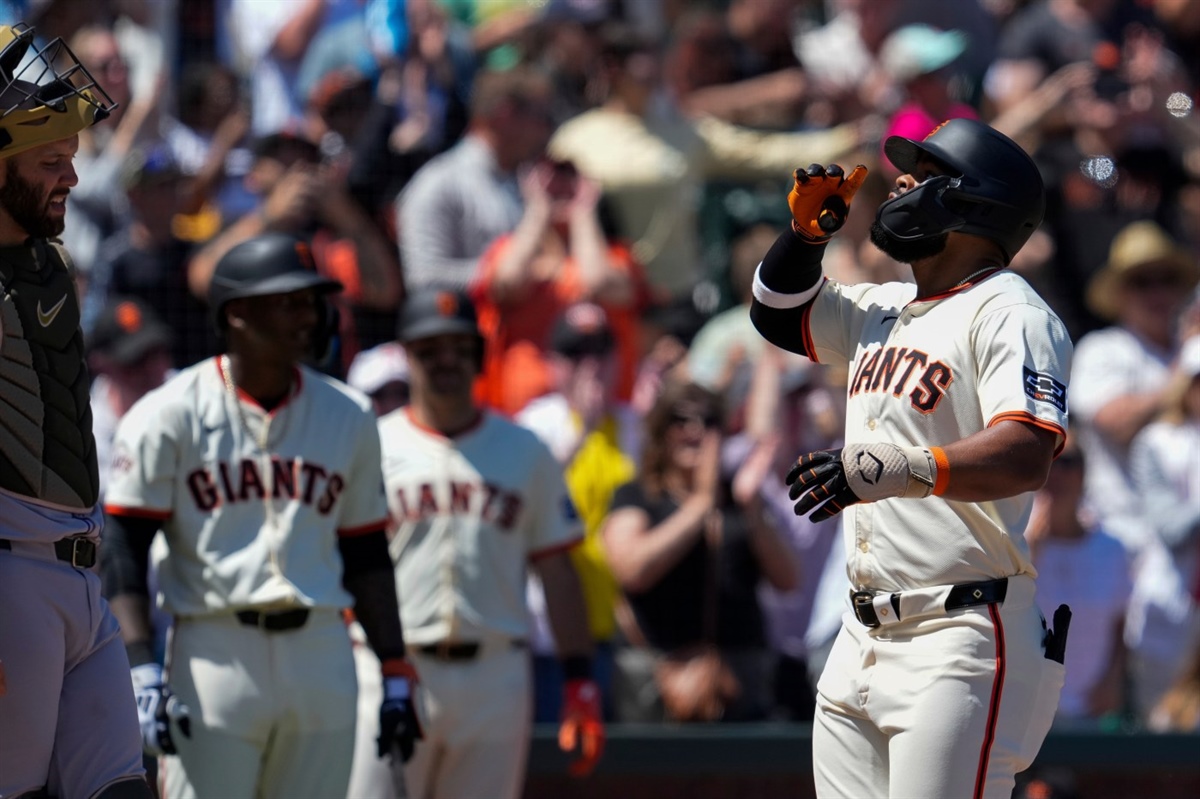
x,y
264,477
474,500
944,678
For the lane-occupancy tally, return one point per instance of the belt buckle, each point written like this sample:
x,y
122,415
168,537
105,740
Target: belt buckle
x,y
80,552
443,649
863,602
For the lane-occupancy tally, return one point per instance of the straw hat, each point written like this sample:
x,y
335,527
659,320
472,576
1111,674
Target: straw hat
x,y
1138,245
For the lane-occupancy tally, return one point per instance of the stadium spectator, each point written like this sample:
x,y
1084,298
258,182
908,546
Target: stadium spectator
x,y
148,259
558,255
463,199
688,553
1120,373
301,196
587,429
381,373
1070,549
649,160
1164,617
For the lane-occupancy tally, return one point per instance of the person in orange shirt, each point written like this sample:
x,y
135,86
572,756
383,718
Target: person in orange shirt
x,y
558,255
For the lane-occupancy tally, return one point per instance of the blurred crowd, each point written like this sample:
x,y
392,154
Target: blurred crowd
x,y
602,177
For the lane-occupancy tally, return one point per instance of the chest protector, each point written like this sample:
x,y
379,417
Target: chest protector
x,y
46,446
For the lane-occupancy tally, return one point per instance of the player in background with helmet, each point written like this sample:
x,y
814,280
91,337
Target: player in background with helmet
x,y
67,722
943,680
475,500
263,475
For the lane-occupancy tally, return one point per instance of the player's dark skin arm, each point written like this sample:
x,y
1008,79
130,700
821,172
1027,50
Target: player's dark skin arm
x,y
564,603
1004,460
124,560
370,577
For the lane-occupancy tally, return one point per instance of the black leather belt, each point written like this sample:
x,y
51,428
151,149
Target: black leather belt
x,y
79,552
967,595
274,621
457,650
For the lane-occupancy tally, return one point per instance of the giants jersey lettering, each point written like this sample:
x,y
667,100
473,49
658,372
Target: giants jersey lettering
x,y
928,373
247,528
468,514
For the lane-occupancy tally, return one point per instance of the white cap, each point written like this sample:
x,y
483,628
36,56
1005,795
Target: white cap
x,y
372,369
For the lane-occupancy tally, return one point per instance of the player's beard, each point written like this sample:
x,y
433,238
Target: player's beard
x,y
907,252
22,201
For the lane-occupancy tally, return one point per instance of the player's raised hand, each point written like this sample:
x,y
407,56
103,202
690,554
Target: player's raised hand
x,y
820,199
399,727
157,707
582,725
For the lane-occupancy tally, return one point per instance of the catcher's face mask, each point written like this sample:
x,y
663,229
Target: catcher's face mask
x,y
45,94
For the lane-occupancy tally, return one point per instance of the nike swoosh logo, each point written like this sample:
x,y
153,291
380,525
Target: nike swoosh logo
x,y
887,318
46,318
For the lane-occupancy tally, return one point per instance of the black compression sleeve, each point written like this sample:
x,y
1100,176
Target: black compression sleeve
x,y
364,553
369,576
792,265
125,555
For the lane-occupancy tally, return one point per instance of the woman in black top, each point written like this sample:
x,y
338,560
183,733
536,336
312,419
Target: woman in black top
x,y
655,538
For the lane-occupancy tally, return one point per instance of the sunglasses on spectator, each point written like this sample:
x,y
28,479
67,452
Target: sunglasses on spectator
x,y
1144,281
710,421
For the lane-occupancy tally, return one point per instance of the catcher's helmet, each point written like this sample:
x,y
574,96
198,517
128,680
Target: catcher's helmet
x,y
274,263
45,94
434,313
993,188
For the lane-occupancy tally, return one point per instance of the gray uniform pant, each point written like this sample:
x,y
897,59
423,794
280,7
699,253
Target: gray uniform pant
x,y
68,719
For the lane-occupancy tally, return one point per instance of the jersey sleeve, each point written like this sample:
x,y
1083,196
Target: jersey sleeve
x,y
554,524
840,317
146,454
1023,355
363,508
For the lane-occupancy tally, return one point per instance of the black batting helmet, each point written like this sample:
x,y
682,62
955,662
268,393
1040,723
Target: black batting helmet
x,y
274,263
993,188
434,313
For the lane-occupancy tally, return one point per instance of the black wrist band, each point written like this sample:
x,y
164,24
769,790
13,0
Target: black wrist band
x,y
792,264
577,667
140,653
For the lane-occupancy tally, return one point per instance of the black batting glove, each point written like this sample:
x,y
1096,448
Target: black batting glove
x,y
819,477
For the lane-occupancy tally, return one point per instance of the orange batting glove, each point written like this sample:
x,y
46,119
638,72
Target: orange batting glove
x,y
582,724
820,200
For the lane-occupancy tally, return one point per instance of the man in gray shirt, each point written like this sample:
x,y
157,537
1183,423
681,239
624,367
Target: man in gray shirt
x,y
464,198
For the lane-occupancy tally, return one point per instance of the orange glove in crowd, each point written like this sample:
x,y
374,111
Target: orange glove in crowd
x,y
582,725
820,200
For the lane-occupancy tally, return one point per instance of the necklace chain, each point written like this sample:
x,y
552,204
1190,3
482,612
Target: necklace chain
x,y
974,275
261,439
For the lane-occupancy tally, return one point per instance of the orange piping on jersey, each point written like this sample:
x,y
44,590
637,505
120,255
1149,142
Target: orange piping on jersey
x,y
140,513
1024,417
417,423
806,332
362,529
555,549
942,481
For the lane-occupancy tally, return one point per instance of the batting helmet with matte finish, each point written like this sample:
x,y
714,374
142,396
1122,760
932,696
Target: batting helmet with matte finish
x,y
993,188
274,263
435,313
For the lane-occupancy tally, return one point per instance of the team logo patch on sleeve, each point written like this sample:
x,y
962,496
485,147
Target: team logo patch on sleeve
x,y
1044,388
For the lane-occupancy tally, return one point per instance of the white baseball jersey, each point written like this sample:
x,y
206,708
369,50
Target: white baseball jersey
x,y
248,525
469,513
927,373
